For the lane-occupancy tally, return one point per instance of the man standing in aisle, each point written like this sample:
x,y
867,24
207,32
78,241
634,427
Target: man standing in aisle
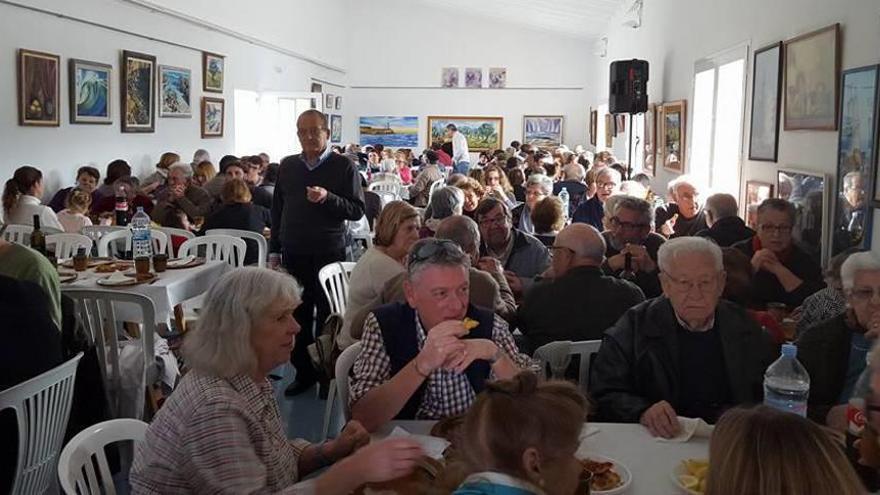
x,y
461,158
316,192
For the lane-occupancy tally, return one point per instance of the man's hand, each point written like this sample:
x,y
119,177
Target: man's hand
x,y
474,349
515,283
352,438
617,262
316,194
491,265
442,343
762,258
178,191
661,420
668,227
873,326
836,418
640,257
274,261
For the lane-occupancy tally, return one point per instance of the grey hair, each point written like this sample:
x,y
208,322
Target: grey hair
x,y
857,262
850,178
183,167
461,230
200,156
220,343
673,248
546,183
445,202
452,257
575,171
608,171
721,205
679,181
633,203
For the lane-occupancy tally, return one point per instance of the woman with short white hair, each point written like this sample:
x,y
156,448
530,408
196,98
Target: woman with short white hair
x,y
221,431
538,187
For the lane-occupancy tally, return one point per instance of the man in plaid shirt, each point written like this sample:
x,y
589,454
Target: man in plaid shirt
x,y
419,360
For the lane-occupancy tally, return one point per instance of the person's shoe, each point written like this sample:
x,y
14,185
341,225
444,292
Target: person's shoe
x,y
298,386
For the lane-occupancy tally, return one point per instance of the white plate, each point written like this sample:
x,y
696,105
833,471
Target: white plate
x,y
180,262
623,471
678,471
111,281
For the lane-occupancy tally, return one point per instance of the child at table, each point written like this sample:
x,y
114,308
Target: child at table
x,y
73,218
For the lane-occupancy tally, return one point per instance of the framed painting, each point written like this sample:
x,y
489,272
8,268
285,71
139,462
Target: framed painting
x,y
811,198
594,123
138,90
174,91
397,132
543,131
674,126
329,101
336,128
498,77
812,65
213,71
449,77
90,92
482,133
766,92
649,148
339,103
609,130
213,113
473,77
756,192
619,124
317,88
39,87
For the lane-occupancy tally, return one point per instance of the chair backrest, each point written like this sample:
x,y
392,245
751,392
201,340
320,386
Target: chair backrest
x,y
334,280
171,232
343,366
557,355
437,184
217,247
66,245
262,244
42,408
159,239
96,311
385,186
360,225
387,197
19,234
76,464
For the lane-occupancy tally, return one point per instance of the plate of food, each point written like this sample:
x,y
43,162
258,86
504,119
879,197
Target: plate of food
x,y
185,262
690,476
609,476
117,279
113,266
92,262
66,275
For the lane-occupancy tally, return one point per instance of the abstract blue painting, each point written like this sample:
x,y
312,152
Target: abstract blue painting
x,y
174,91
90,98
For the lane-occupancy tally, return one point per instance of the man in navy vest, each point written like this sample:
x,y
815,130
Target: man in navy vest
x,y
421,359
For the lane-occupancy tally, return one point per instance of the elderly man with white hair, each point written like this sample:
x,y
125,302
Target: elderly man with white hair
x,y
835,350
687,353
725,226
684,215
591,211
181,195
574,182
538,187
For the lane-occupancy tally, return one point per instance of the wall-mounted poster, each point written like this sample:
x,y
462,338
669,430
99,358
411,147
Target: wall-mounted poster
x,y
482,133
766,91
650,141
213,113
473,77
396,132
336,128
497,77
90,92
339,103
174,91
756,192
543,131
138,92
329,101
213,70
449,77
806,190
39,87
609,130
674,125
812,64
594,123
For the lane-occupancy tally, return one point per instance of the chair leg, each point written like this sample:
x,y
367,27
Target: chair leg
x,y
328,409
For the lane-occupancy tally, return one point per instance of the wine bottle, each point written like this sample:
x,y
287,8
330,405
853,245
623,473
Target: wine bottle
x,y
38,238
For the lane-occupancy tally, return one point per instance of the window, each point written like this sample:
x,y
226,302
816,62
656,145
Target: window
x,y
266,122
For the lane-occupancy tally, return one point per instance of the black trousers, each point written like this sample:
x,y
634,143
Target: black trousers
x,y
305,267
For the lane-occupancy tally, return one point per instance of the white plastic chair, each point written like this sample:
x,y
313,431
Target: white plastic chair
x,y
557,355
42,408
217,247
76,464
339,387
387,197
19,234
159,238
334,281
66,245
262,244
385,186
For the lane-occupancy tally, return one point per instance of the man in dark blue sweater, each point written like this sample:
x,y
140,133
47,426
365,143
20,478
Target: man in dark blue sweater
x,y
316,192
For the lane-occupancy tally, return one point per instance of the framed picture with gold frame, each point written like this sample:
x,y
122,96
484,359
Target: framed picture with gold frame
x,y
482,133
673,125
39,88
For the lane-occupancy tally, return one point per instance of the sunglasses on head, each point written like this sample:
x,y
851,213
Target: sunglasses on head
x,y
431,248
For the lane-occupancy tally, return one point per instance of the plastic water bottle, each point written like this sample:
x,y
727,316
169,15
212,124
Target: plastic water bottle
x,y
787,383
565,198
141,243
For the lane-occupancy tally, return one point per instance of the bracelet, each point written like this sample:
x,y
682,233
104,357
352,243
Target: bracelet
x,y
323,460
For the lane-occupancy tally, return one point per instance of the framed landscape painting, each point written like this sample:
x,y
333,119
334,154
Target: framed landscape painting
x,y
812,65
543,131
336,128
213,71
498,77
482,133
90,90
396,132
473,77
766,92
174,91
756,192
138,90
213,113
39,87
807,191
674,126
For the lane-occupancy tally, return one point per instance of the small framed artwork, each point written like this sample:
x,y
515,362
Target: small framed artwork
x,y
498,77
317,87
449,77
473,77
39,87
90,92
674,125
339,103
756,192
138,90
543,131
174,91
812,200
766,92
650,139
213,70
336,128
594,122
609,130
812,65
213,113
329,101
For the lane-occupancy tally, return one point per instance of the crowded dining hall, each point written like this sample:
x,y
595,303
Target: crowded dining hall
x,y
549,248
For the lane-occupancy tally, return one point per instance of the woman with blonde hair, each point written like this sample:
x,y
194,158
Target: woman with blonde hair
x,y
155,182
762,451
239,212
74,217
204,172
497,185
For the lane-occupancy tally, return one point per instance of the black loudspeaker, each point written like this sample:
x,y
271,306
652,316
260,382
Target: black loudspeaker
x,y
629,87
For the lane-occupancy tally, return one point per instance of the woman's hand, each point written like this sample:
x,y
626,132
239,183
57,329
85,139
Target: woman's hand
x,y
353,437
385,460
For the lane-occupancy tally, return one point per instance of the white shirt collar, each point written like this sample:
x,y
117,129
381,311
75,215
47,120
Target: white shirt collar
x,y
28,199
708,326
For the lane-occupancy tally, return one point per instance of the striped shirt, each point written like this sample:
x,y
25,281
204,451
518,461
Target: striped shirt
x,y
218,435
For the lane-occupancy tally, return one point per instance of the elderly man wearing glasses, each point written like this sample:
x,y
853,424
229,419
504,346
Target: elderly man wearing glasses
x,y
688,353
427,358
630,234
784,273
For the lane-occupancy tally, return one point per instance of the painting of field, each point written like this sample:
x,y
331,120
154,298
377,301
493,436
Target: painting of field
x,y
482,133
397,132
543,131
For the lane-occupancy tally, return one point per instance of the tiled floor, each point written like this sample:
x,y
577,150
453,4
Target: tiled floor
x,y
303,415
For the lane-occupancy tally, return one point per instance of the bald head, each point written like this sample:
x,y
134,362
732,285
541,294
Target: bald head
x,y
720,206
585,241
462,231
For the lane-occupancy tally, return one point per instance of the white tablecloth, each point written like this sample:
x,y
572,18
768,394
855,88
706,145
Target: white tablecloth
x,y
650,462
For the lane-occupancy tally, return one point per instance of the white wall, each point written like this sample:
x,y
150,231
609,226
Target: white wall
x,y
58,151
395,44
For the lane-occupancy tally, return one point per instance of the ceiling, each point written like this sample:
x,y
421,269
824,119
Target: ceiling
x,y
578,18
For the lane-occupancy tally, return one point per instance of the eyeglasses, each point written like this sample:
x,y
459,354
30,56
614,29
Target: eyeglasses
x,y
865,293
778,229
432,247
630,225
685,286
606,185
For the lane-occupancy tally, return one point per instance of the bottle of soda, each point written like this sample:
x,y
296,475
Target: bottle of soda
x,y
141,241
121,209
856,419
787,383
38,238
628,273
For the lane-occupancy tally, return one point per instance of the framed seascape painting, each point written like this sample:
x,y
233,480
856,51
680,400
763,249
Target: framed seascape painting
x,y
594,123
650,140
482,133
808,193
397,132
498,77
90,91
766,91
674,125
213,113
138,90
473,77
174,91
449,77
213,71
812,65
756,192
336,128
39,87
543,131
